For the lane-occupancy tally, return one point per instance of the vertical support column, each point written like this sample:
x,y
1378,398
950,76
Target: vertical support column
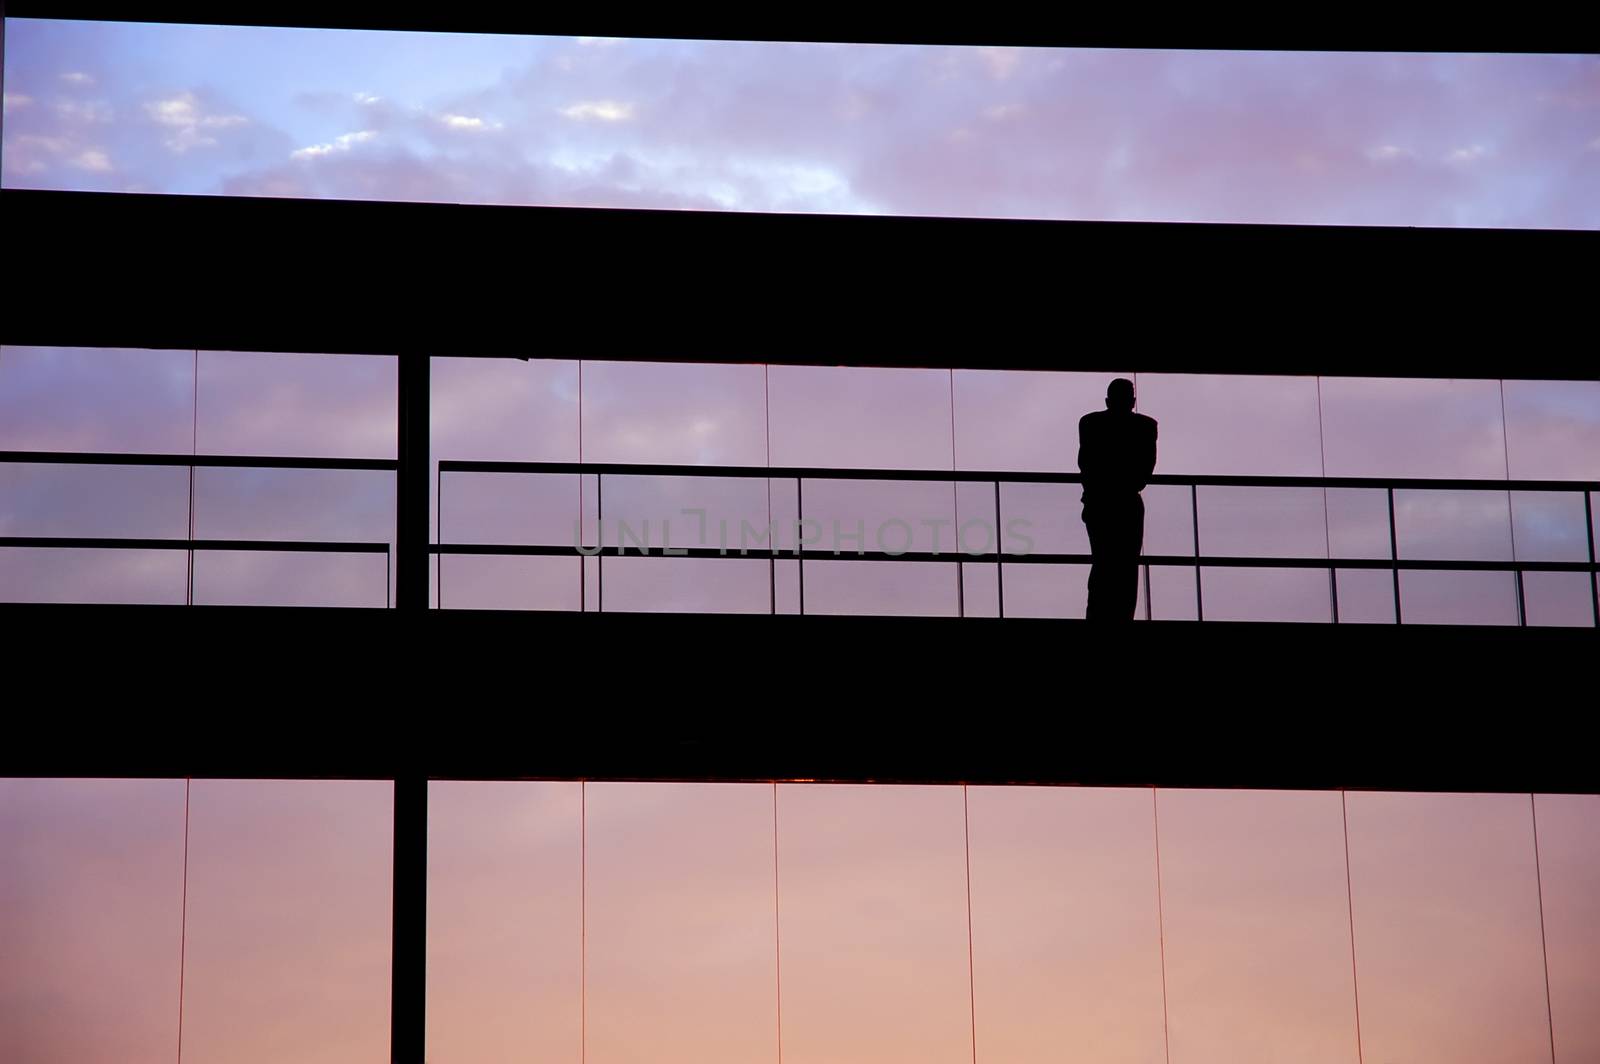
x,y
411,487
408,966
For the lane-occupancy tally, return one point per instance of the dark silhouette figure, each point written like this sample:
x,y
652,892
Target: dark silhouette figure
x,y
1116,455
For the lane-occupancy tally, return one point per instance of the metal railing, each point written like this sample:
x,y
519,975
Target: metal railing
x,y
1198,561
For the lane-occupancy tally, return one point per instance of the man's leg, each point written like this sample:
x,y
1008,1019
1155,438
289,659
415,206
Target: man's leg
x,y
1130,534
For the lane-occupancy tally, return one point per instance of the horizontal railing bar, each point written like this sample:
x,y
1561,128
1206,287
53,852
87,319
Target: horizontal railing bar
x,y
123,543
231,461
990,476
946,557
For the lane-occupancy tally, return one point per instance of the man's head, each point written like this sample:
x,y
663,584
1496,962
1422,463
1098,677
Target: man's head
x,y
1119,396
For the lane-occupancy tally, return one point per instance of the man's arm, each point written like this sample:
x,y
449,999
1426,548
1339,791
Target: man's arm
x,y
1147,459
1088,453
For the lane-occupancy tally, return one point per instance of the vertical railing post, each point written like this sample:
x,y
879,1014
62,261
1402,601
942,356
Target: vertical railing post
x,y
408,963
999,554
1594,577
411,485
1394,556
1194,516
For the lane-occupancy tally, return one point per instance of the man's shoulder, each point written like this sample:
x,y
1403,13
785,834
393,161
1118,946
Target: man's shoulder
x,y
1146,422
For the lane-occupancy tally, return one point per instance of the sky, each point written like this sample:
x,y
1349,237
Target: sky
x,y
870,924
1269,137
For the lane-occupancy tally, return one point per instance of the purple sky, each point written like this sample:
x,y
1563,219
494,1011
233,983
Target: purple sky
x,y
1324,138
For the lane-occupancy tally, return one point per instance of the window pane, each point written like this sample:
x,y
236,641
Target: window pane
x,y
1172,594
633,584
1168,519
1240,594
136,502
1233,425
91,919
1358,523
1052,591
1262,522
1558,599
267,403
290,578
882,515
96,399
352,505
505,918
1569,868
1066,943
786,580
1441,596
523,508
1446,914
674,413
287,941
857,417
1050,515
980,585
1453,525
681,951
509,582
1549,526
53,574
1257,927
1366,596
1024,420
697,512
873,924
1412,427
896,589
1553,429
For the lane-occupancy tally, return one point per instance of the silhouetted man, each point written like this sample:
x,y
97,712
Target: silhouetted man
x,y
1116,455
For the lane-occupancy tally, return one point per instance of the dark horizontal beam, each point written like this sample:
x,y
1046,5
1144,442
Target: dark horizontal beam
x,y
687,286
1329,27
209,461
128,543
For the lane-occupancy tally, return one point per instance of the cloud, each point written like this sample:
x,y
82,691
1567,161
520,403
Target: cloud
x,y
93,160
14,101
343,142
601,110
1468,154
78,78
467,123
185,118
367,98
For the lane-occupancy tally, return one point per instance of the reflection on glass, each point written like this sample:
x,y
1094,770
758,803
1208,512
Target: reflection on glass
x,y
876,418
505,922
1447,941
96,399
1024,420
1241,594
136,502
1412,427
288,932
1262,522
681,905
268,403
659,584
509,582
873,924
1442,596
1549,526
90,920
1453,525
1233,424
290,578
1066,943
1558,599
886,588
1366,596
675,413
1257,927
1553,429
1569,872
93,575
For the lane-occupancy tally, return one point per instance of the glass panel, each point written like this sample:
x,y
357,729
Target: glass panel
x,y
687,585
1262,522
1168,520
1412,427
136,502
1257,926
895,589
1052,591
1358,523
1172,594
505,922
314,505
1549,526
53,574
525,508
290,578
786,586
1553,429
1239,594
690,512
1446,915
1048,515
674,413
502,410
872,896
288,933
96,399
896,517
1558,599
980,585
1453,525
1233,425
680,925
91,919
1008,420
1066,943
509,582
1366,596
856,417
1442,596
267,403
1569,869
